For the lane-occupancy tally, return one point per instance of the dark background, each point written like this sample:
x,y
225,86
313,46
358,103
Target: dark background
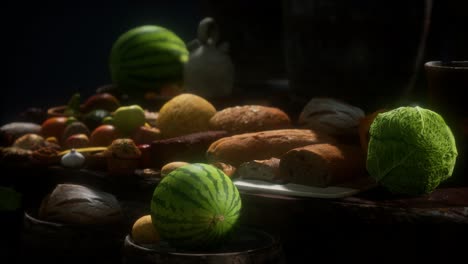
x,y
55,50
51,51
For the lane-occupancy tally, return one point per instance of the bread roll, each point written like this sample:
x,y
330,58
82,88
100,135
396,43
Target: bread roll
x,y
249,118
332,117
323,165
168,168
267,170
241,148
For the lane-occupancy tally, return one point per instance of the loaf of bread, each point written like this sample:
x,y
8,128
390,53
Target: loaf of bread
x,y
188,148
333,117
323,165
267,170
262,145
249,118
81,205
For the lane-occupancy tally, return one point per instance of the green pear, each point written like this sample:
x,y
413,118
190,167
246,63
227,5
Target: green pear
x,y
128,118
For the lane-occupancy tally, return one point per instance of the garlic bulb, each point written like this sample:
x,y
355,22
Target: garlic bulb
x,y
73,159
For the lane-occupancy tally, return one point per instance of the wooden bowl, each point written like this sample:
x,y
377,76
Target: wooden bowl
x,y
249,246
56,111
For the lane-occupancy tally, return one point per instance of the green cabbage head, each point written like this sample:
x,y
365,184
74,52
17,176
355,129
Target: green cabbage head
x,y
411,150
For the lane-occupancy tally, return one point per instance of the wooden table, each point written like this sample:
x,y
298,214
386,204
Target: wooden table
x,y
366,227
370,226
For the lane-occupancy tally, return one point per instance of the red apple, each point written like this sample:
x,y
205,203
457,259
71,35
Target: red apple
x,y
54,127
103,136
104,101
77,141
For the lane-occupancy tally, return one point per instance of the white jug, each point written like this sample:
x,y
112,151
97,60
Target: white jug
x,y
209,71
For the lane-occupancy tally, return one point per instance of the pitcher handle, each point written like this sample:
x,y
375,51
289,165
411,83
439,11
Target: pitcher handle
x,y
208,32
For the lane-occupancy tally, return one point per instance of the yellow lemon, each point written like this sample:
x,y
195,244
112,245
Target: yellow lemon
x,y
143,231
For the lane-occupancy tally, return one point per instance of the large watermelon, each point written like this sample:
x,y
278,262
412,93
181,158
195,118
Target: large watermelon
x,y
147,58
195,207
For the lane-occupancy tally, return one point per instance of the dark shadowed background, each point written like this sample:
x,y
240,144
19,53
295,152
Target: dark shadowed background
x,y
56,50
52,51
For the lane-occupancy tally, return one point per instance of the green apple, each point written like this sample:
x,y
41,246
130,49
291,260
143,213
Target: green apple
x,y
128,118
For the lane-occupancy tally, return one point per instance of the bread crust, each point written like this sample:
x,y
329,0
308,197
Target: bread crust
x,y
249,118
323,165
267,170
262,145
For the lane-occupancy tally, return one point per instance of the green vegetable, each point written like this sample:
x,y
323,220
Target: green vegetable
x,y
73,105
411,150
195,206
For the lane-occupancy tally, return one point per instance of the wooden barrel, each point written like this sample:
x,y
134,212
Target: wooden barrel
x,y
50,242
249,246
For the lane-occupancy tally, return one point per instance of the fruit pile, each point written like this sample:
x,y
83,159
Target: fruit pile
x,y
198,148
102,134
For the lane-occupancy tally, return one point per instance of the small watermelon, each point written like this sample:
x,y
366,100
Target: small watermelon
x,y
196,206
147,58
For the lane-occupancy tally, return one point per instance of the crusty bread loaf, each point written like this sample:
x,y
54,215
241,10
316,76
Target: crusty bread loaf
x,y
322,165
332,117
188,148
80,205
267,170
241,148
249,118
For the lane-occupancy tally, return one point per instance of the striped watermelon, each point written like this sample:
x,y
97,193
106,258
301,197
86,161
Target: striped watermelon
x,y
146,58
195,207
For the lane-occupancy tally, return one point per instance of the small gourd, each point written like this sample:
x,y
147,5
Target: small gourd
x,y
73,159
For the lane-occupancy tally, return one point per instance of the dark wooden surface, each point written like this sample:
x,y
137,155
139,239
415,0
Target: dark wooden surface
x,y
360,227
367,226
